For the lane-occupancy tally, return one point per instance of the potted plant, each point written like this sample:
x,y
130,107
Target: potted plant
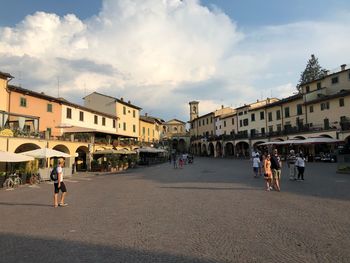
x,y
120,165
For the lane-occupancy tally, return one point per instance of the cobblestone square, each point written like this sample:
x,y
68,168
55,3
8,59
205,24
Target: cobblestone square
x,y
210,211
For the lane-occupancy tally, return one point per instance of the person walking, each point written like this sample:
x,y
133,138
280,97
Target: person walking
x,y
268,172
291,159
300,164
256,164
276,165
175,161
59,185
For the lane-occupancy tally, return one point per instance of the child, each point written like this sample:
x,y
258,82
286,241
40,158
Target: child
x,y
256,164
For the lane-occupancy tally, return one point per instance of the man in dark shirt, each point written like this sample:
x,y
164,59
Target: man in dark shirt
x,y
276,165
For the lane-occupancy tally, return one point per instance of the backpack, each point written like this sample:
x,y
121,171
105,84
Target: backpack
x,y
54,174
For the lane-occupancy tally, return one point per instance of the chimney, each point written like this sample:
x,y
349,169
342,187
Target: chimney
x,y
146,114
343,67
122,99
129,102
222,106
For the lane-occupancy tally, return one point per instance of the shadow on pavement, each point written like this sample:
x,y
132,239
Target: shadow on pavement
x,y
19,248
23,204
210,188
321,179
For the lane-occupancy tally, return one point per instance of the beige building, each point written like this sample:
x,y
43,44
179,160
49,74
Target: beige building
x,y
321,108
128,114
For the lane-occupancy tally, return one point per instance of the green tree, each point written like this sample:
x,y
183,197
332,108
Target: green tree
x,y
312,71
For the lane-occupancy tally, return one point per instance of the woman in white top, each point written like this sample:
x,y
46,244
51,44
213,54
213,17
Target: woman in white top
x,y
300,164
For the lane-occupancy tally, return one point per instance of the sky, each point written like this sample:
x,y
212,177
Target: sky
x,y
161,54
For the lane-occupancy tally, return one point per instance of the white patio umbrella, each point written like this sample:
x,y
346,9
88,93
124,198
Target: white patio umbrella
x,y
46,153
9,157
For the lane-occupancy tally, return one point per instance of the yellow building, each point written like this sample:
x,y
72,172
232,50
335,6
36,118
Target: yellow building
x,y
4,96
150,129
127,113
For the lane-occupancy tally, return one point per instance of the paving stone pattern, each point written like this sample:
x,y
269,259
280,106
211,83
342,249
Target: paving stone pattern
x,y
210,211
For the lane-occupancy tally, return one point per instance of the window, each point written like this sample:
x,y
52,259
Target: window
x,y
153,133
199,123
143,130
270,128
207,121
286,112
96,119
262,115
134,128
319,85
211,119
299,109
134,113
148,131
124,126
252,117
224,123
252,132
49,107
307,89
278,115
69,113
103,121
81,116
233,121
203,122
245,122
124,110
49,131
325,106
349,75
240,113
279,127
240,123
335,80
311,108
23,102
341,102
262,130
113,123
270,116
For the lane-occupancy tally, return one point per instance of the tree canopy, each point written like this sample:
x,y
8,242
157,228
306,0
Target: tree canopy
x,y
312,71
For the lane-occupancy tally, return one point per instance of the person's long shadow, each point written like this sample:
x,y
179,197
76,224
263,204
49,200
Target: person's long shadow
x,y
23,204
209,188
20,248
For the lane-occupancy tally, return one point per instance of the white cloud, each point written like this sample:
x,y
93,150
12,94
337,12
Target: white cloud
x,y
162,54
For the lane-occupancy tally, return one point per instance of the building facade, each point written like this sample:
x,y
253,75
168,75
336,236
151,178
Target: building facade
x,y
321,108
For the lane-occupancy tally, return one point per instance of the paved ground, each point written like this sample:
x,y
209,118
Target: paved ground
x,y
211,211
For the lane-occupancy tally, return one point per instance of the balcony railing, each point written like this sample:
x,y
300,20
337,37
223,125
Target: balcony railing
x,y
288,130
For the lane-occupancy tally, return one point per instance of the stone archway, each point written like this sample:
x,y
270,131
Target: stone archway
x,y
204,151
218,149
26,147
68,161
326,136
182,146
175,144
211,149
242,149
229,149
81,160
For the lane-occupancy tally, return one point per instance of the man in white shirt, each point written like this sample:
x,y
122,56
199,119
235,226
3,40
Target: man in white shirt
x,y
59,185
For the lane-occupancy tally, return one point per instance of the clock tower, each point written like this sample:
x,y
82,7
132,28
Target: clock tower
x,y
193,110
